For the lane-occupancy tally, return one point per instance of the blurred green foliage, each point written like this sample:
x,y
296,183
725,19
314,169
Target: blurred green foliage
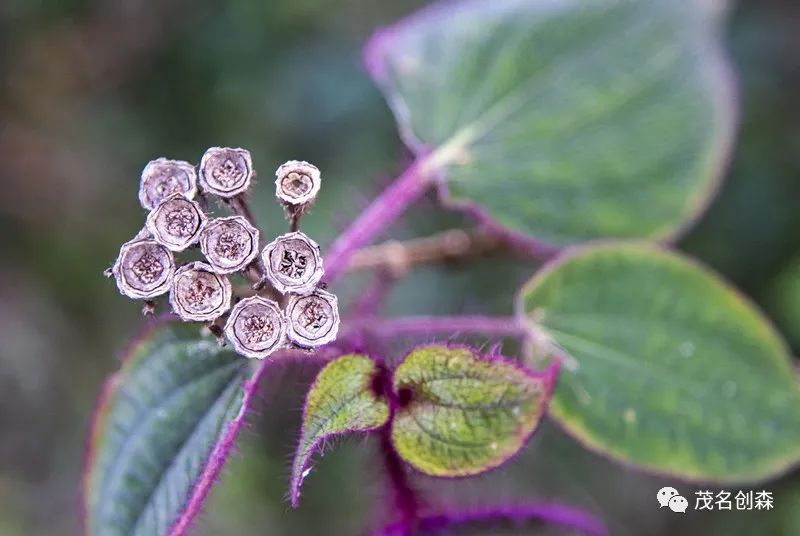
x,y
92,90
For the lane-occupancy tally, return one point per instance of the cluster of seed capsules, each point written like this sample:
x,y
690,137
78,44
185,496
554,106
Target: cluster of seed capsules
x,y
304,316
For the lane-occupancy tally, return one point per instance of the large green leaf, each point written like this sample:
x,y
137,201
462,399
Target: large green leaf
x,y
342,399
666,366
464,414
565,120
159,421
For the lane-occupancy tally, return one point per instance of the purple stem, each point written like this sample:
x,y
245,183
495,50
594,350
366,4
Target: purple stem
x,y
426,325
224,448
381,213
219,456
517,514
404,498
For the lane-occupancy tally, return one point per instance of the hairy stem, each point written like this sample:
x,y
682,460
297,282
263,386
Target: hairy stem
x,y
405,500
517,514
426,325
381,213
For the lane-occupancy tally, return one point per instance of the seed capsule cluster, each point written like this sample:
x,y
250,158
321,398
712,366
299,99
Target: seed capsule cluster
x,y
288,309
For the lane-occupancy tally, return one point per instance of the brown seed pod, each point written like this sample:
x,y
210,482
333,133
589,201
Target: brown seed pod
x,y
198,294
144,269
256,327
229,244
226,172
292,263
162,178
176,222
313,319
297,183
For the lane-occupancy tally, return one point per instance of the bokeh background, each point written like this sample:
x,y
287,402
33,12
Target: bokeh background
x,y
90,90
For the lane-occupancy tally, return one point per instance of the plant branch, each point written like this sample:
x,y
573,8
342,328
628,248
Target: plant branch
x,y
381,213
451,246
426,325
515,514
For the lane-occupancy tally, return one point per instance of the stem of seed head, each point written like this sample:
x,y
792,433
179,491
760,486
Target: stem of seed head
x,y
217,331
241,207
148,308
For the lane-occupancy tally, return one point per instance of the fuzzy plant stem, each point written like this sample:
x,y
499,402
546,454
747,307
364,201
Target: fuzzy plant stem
x,y
515,514
404,499
381,213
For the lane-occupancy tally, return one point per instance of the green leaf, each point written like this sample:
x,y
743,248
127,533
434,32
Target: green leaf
x,y
565,120
342,399
159,420
667,367
466,414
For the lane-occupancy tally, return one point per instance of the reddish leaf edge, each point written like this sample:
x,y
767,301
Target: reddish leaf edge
x,y
222,450
719,76
548,376
297,482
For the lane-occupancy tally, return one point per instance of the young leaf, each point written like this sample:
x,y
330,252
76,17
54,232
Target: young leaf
x,y
342,399
668,367
161,433
464,414
564,120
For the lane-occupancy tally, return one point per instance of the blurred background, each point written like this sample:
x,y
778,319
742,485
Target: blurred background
x,y
91,90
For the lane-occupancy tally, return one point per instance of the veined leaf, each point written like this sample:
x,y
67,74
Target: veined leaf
x,y
465,414
342,399
161,433
667,366
564,120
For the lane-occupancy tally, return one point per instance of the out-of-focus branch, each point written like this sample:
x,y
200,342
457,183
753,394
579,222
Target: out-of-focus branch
x,y
452,246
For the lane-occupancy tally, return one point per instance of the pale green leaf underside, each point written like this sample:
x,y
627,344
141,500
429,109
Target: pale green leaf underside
x,y
668,368
466,414
342,399
169,406
565,120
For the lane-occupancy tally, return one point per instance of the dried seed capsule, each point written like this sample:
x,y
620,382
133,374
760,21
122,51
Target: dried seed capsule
x,y
162,178
229,244
297,183
199,294
292,263
144,269
256,327
226,172
313,319
176,222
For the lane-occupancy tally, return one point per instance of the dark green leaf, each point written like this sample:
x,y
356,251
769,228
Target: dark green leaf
x,y
158,423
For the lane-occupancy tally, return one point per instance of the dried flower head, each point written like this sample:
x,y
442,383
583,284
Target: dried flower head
x,y
297,183
144,269
313,319
292,263
176,222
162,178
199,294
256,327
229,244
226,172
